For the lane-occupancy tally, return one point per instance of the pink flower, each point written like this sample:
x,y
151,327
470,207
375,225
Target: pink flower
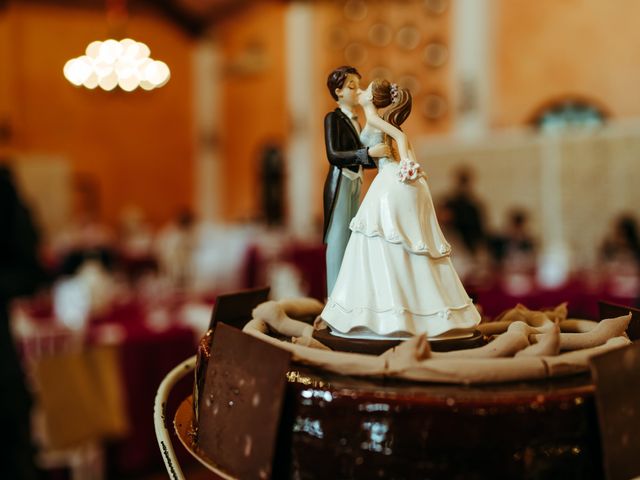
x,y
409,170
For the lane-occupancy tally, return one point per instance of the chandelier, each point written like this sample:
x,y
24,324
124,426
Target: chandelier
x,y
109,64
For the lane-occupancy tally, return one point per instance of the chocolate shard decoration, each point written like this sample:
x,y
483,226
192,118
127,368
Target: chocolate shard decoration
x,y
612,310
235,308
241,403
616,375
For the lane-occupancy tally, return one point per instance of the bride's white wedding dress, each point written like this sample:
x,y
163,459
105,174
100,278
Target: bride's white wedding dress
x,y
396,277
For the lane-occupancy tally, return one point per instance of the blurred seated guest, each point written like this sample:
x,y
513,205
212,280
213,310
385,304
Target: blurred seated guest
x,y
90,291
466,210
515,251
205,258
461,257
20,274
135,244
622,244
175,245
475,269
135,238
73,260
620,255
516,247
221,253
86,237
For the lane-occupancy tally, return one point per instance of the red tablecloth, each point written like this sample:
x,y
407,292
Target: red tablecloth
x,y
307,258
146,356
581,297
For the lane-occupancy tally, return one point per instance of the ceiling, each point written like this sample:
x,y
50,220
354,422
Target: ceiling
x,y
193,16
196,15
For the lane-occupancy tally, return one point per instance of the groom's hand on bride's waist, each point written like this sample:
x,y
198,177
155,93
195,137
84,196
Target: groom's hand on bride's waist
x,y
379,150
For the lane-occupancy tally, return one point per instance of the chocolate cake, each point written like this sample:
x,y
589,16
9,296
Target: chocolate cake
x,y
385,426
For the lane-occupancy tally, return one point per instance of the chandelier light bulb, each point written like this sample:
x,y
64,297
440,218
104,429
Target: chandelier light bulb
x,y
143,51
91,82
129,84
93,49
109,64
146,85
109,82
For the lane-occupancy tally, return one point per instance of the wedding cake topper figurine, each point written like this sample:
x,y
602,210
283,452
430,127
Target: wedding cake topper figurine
x,y
396,279
347,157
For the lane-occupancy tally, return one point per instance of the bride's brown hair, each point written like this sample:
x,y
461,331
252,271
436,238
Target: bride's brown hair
x,y
396,98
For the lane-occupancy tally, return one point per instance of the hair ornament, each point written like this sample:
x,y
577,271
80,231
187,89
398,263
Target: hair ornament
x,y
395,93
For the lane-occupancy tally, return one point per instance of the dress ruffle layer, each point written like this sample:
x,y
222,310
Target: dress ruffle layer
x,y
384,289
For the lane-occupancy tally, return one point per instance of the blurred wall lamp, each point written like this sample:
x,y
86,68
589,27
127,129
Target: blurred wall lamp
x,y
111,63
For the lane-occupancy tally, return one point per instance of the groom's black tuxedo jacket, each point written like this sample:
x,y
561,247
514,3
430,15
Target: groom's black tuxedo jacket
x,y
344,150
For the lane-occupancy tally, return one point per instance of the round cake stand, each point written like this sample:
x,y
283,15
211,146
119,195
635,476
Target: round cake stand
x,y
182,423
377,347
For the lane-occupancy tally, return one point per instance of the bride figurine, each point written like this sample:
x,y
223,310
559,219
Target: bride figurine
x,y
396,278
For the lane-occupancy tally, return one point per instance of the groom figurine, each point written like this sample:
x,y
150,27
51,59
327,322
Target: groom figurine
x,y
347,157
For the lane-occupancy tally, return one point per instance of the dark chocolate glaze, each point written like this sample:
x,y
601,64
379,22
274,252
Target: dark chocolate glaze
x,y
347,428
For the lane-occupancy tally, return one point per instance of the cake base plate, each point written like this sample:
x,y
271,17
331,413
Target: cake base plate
x,y
182,423
377,347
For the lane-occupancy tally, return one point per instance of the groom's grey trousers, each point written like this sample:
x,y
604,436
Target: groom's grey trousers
x,y
345,208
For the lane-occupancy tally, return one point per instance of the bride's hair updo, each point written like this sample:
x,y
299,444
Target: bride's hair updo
x,y
396,98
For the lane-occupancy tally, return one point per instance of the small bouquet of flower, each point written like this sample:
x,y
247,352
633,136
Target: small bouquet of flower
x,y
409,170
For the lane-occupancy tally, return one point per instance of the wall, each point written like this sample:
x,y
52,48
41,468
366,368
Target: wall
x,y
254,98
136,146
548,48
573,186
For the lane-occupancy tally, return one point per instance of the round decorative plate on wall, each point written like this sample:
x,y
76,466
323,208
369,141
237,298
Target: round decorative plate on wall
x,y
408,37
436,7
380,35
355,10
436,54
411,83
355,53
434,106
338,37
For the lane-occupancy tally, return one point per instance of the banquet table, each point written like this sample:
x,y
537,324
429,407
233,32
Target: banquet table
x,y
581,296
308,258
146,352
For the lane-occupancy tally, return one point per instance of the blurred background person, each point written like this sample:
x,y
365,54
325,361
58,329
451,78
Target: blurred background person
x,y
516,248
175,246
620,258
135,244
272,176
20,274
86,236
467,211
622,244
462,258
